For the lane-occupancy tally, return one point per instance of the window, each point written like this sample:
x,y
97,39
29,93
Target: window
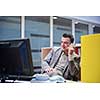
x,y
10,27
80,29
37,29
96,29
60,26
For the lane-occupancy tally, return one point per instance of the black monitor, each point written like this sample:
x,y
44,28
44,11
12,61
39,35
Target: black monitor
x,y
15,60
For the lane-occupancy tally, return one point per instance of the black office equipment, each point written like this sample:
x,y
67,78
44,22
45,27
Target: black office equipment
x,y
15,60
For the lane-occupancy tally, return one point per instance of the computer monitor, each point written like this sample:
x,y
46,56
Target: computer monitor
x,y
15,59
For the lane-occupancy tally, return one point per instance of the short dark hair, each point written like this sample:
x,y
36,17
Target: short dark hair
x,y
69,36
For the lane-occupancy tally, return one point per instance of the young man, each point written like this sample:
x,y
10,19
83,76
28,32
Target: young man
x,y
63,61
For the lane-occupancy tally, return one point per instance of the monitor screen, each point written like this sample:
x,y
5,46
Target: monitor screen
x,y
15,59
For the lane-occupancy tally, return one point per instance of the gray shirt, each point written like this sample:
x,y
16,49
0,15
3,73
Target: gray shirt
x,y
62,63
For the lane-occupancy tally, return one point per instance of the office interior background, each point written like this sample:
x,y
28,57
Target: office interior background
x,y
46,31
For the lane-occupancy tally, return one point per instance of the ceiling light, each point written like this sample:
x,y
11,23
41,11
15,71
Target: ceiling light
x,y
93,26
76,22
54,17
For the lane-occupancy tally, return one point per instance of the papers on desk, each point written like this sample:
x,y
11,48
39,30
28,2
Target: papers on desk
x,y
44,78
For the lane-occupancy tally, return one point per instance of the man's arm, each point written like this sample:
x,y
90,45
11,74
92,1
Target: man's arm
x,y
46,61
73,70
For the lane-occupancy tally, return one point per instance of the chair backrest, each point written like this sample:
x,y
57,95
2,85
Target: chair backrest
x,y
44,52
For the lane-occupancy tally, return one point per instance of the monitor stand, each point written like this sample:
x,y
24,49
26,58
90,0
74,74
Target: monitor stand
x,y
13,78
5,79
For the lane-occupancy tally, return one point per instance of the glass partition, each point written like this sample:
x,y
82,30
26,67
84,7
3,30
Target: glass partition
x,y
80,29
60,26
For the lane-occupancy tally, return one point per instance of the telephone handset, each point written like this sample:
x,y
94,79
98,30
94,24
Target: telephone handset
x,y
71,49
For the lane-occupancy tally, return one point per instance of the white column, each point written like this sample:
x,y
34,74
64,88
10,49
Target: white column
x,y
22,26
51,31
73,29
90,29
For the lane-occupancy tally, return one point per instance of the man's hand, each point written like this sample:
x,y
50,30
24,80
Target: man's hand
x,y
49,71
70,51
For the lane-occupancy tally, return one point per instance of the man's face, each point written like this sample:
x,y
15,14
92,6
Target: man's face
x,y
65,42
